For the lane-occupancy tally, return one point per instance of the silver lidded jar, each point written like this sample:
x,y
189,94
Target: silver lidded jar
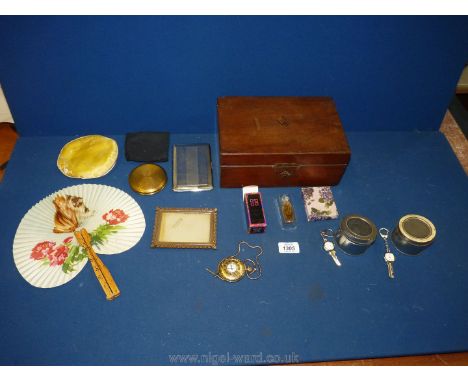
x,y
413,234
356,234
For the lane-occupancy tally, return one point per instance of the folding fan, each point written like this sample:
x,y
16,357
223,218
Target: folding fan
x,y
45,249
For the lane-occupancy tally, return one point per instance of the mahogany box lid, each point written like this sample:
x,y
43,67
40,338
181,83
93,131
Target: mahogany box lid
x,y
271,130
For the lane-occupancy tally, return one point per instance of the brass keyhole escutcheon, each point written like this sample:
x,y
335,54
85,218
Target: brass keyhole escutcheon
x,y
283,121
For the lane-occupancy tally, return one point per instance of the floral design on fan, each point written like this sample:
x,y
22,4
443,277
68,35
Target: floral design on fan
x,y
68,255
116,216
50,254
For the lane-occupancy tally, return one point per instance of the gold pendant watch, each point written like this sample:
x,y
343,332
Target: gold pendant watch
x,y
232,269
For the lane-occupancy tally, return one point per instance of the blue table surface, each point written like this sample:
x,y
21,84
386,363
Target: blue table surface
x,y
304,308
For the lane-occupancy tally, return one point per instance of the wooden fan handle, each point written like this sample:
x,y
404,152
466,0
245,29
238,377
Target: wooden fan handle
x,y
102,273
104,276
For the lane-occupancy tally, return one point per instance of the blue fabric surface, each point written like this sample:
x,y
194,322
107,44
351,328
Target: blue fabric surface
x,y
302,306
134,73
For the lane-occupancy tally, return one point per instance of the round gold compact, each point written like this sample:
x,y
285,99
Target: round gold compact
x,y
88,157
147,179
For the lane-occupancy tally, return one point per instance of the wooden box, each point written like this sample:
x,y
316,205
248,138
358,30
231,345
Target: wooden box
x,y
280,141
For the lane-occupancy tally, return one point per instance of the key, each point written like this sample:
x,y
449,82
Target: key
x,y
390,259
330,248
335,258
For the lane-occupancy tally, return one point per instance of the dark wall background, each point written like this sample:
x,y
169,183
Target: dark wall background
x,y
76,75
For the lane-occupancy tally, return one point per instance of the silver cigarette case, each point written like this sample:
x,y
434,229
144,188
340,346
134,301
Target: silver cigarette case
x,y
192,168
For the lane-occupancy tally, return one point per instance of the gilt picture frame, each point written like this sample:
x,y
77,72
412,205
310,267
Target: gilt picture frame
x,y
185,228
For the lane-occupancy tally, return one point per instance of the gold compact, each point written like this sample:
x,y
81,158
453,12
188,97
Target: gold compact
x,y
147,179
88,157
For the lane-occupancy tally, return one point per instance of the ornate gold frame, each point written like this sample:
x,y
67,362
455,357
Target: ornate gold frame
x,y
158,243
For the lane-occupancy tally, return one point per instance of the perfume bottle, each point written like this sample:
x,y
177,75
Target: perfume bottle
x,y
286,212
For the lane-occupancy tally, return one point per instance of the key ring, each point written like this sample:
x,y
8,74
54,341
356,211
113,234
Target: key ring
x,y
384,233
327,233
328,246
389,257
